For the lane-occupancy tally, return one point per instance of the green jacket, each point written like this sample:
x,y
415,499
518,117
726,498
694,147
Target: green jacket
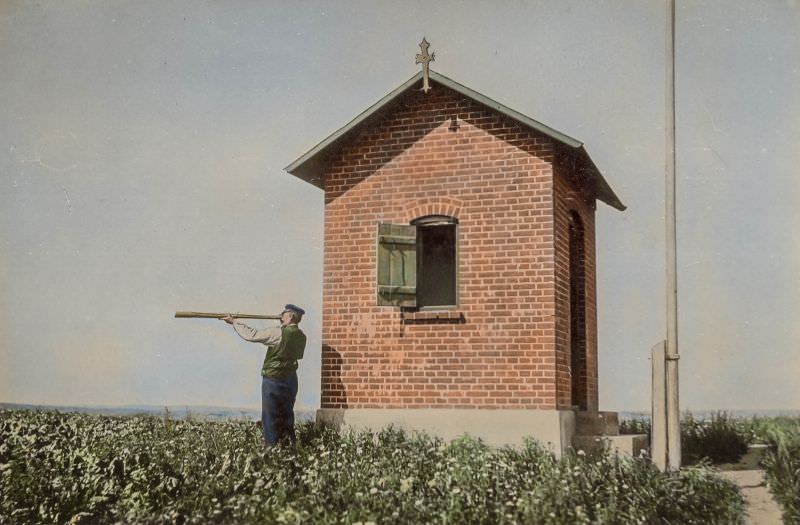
x,y
281,359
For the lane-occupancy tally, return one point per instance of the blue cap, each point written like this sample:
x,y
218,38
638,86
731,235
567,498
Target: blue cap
x,y
295,309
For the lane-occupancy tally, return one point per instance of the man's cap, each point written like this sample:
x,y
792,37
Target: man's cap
x,y
295,309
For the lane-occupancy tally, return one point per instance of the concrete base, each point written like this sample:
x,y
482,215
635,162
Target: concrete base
x,y
634,445
594,423
552,428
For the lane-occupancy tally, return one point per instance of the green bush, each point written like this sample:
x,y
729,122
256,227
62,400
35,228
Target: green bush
x,y
782,465
758,429
716,439
635,426
58,468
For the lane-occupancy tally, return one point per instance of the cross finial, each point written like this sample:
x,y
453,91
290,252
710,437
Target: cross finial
x,y
424,58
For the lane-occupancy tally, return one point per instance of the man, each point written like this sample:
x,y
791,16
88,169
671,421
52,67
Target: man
x,y
285,346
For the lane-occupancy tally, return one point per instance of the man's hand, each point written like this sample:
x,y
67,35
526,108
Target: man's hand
x,y
228,319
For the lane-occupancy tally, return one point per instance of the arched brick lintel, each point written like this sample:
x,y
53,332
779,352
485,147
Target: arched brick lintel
x,y
432,206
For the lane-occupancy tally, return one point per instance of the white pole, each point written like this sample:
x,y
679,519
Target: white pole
x,y
673,405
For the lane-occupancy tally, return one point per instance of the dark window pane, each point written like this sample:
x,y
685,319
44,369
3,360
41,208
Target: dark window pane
x,y
436,265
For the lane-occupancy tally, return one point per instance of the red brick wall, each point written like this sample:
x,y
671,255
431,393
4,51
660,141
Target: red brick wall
x,y
496,177
570,200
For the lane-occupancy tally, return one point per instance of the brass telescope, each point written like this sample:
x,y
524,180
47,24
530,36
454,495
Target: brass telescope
x,y
207,315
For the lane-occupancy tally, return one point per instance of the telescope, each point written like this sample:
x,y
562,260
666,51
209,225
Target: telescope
x,y
214,315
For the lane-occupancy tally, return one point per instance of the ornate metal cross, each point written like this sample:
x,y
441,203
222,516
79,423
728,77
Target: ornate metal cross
x,y
424,58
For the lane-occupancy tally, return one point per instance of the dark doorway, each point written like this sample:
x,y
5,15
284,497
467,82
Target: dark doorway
x,y
577,312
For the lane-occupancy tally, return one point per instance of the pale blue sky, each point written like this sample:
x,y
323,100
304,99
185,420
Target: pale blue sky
x,y
141,172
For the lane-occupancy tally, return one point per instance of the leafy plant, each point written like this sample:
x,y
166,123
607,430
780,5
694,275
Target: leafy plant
x,y
782,465
58,468
635,426
716,439
724,439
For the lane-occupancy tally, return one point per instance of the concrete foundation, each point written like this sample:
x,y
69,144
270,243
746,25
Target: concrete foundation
x,y
557,430
552,428
634,445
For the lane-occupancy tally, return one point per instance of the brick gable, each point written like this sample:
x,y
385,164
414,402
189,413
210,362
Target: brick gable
x,y
443,153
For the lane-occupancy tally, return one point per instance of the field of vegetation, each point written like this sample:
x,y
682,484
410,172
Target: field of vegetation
x,y
75,468
723,439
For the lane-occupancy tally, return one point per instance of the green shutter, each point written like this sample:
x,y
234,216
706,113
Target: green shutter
x,y
397,265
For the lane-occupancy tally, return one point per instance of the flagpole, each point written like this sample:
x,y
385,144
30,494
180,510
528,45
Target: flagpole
x,y
672,355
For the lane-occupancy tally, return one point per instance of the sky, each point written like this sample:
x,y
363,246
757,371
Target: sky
x,y
142,147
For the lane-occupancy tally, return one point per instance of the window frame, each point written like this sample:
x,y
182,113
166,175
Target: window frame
x,y
439,220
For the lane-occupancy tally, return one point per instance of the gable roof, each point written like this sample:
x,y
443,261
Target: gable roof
x,y
310,165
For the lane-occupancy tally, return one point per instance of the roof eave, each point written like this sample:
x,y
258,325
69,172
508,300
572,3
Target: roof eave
x,y
505,110
308,167
298,167
602,189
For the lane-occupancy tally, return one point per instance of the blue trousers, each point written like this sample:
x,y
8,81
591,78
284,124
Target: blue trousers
x,y
277,408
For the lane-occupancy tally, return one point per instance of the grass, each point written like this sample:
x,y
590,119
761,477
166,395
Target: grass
x,y
57,468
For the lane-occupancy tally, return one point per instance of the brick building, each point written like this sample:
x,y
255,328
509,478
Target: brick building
x,y
459,269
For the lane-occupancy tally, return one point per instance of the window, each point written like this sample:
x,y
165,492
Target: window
x,y
417,263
